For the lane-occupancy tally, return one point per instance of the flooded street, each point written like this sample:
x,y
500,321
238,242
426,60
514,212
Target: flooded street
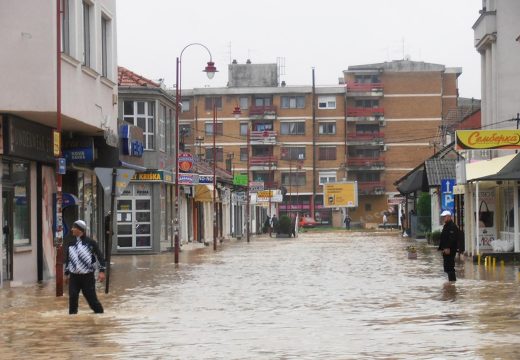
x,y
320,296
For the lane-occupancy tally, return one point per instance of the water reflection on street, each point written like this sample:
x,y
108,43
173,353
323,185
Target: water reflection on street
x,y
321,296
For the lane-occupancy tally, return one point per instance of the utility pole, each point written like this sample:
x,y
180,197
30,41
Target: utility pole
x,y
313,196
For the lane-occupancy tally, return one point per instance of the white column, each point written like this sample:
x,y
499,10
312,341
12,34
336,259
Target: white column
x,y
476,218
515,212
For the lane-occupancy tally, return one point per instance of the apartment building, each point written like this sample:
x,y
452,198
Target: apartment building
x,y
373,127
28,115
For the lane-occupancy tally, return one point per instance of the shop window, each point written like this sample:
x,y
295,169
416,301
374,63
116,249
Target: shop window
x,y
17,200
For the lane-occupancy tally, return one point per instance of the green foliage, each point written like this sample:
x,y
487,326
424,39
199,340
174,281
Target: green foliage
x,y
424,205
436,237
284,225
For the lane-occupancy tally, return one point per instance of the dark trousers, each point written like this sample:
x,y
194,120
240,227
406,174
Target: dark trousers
x,y
449,266
87,284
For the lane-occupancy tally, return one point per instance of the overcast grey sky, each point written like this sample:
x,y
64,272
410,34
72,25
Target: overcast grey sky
x,y
328,35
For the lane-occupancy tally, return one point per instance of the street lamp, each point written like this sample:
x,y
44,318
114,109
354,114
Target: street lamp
x,y
210,71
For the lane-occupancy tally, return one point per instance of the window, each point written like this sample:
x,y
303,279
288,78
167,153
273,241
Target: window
x,y
243,129
367,153
210,101
263,127
16,182
244,103
219,151
327,128
293,153
263,101
292,128
65,26
162,128
367,128
209,129
326,102
367,103
141,113
86,34
266,176
185,105
368,207
243,154
368,176
327,153
293,178
293,102
105,23
366,79
327,177
184,130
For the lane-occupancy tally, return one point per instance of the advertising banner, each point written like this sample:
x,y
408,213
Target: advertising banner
x,y
486,218
487,139
340,194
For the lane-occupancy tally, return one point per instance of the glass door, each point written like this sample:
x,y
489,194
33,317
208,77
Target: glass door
x,y
7,235
134,223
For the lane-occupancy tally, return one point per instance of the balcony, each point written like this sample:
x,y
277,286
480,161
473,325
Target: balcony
x,y
266,162
262,112
366,163
365,89
485,30
365,138
367,113
263,137
371,188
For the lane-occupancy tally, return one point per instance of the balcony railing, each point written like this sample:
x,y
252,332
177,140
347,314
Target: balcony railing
x,y
263,161
366,161
263,137
364,87
371,188
365,112
365,136
262,110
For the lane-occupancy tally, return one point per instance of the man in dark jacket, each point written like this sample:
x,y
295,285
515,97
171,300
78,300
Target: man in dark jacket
x,y
448,244
80,256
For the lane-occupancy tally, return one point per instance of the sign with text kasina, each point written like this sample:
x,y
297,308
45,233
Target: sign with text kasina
x,y
487,139
340,194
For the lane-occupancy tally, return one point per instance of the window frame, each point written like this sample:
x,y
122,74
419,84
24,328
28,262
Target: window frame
x,y
218,150
209,132
133,119
330,176
327,153
323,125
292,102
325,102
87,31
285,128
209,101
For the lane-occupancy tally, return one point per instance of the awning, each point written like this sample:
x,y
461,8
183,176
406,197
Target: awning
x,y
413,183
204,193
489,169
509,172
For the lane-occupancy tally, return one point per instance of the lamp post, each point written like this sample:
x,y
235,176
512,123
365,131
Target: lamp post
x,y
210,71
214,177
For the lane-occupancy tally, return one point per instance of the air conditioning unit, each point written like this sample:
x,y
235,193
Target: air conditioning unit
x,y
385,147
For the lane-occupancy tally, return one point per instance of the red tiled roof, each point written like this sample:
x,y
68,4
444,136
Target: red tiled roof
x,y
126,77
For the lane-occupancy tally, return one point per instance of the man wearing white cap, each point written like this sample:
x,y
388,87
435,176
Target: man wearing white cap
x,y
80,257
448,245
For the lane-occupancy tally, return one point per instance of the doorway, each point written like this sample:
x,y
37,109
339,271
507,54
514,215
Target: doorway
x,y
7,242
134,223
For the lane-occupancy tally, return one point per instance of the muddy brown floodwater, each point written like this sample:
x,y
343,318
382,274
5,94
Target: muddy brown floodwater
x,y
331,295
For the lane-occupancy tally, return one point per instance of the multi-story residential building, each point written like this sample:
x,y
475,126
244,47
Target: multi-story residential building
x,y
28,112
394,115
375,127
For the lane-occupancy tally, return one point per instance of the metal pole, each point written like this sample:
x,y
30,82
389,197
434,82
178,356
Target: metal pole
x,y
313,196
214,176
476,218
177,104
59,179
111,230
247,186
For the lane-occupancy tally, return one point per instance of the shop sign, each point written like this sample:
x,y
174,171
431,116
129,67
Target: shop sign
x,y
56,135
487,139
149,176
131,140
240,179
194,179
185,162
255,186
396,200
28,140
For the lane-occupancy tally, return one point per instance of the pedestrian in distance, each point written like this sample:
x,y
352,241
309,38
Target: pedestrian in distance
x,y
385,221
274,223
267,225
80,257
448,245
347,221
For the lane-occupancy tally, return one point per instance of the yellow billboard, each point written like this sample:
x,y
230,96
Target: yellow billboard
x,y
487,139
340,194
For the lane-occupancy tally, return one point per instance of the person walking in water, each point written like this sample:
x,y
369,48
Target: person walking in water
x,y
80,256
347,221
448,245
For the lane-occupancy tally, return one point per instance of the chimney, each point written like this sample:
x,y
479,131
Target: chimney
x,y
248,61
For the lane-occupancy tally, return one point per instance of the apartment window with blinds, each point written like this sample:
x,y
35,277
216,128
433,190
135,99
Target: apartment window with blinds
x,y
292,128
294,178
327,128
243,129
293,153
244,103
185,106
326,102
65,27
327,177
142,114
86,33
210,101
219,151
243,154
209,129
293,102
327,153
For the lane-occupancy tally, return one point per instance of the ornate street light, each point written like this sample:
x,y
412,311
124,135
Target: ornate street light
x,y
210,71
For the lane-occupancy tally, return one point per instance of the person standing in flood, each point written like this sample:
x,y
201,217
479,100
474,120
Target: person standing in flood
x,y
80,257
448,245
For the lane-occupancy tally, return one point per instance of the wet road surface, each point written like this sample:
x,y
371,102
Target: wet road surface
x,y
321,296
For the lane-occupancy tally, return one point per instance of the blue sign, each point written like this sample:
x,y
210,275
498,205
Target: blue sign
x,y
79,155
131,146
62,166
447,199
